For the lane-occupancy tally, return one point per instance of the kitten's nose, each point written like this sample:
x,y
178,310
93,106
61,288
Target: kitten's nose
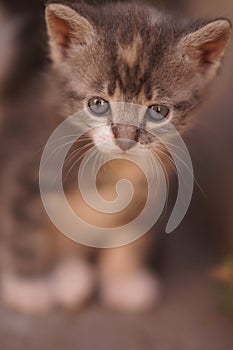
x,y
125,144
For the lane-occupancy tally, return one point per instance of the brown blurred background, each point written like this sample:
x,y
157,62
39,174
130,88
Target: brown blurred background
x,y
195,312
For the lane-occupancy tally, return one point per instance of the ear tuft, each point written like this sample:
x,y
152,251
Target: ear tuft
x,y
208,43
66,27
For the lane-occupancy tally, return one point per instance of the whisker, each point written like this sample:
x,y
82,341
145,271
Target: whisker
x,y
88,138
192,174
171,160
76,152
166,179
175,146
55,150
75,163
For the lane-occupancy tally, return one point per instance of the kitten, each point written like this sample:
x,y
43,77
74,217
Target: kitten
x,y
124,52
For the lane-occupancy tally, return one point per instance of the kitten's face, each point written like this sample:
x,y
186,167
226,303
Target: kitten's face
x,y
136,55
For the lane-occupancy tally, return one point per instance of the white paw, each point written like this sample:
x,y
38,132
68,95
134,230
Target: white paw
x,y
73,283
133,293
26,295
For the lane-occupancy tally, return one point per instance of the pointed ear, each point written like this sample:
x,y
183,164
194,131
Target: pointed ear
x,y
206,46
66,27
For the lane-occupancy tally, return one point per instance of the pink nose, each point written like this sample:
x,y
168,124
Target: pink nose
x,y
125,144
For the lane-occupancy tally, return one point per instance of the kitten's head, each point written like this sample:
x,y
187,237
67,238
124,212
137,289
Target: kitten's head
x,y
135,54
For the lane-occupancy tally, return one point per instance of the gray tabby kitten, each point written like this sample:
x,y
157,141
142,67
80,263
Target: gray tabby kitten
x,y
124,52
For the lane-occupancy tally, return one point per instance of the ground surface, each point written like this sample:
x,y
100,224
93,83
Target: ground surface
x,y
186,319
188,316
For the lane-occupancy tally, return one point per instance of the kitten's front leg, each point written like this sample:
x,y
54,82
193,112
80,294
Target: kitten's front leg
x,y
26,263
26,295
50,271
126,283
73,279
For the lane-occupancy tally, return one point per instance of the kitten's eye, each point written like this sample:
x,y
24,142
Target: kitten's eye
x,y
157,113
98,106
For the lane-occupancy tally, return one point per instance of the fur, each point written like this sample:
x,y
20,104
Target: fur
x,y
123,52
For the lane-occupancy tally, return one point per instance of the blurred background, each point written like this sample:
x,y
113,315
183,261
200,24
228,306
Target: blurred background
x,y
195,262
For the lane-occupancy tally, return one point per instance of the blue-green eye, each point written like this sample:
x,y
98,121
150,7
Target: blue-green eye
x,y
157,113
98,106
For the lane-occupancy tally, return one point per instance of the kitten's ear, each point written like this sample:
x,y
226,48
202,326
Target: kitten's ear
x,y
65,28
206,46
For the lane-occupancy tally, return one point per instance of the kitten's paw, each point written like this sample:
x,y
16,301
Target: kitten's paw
x,y
73,283
26,295
133,293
